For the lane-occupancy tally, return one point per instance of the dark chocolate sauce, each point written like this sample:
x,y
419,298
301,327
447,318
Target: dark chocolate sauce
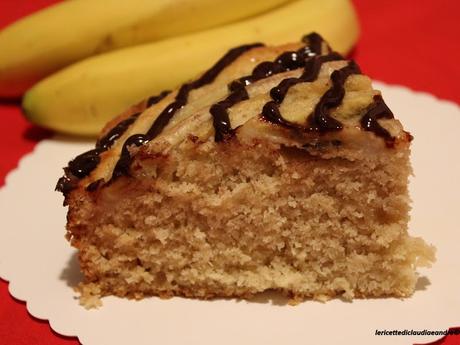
x,y
320,120
220,118
315,42
109,139
271,113
82,165
124,162
285,62
182,96
155,99
66,183
378,110
122,166
311,70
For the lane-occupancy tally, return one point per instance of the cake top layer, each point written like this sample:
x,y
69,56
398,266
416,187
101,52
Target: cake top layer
x,y
296,95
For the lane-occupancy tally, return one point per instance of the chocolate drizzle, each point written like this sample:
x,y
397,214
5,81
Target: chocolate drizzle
x,y
82,165
285,62
109,139
319,120
311,71
220,118
66,183
124,162
315,42
122,166
378,110
155,99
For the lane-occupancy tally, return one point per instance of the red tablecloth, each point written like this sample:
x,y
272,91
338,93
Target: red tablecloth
x,y
411,42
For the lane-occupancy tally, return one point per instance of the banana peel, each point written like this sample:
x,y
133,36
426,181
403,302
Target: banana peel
x,y
80,99
62,34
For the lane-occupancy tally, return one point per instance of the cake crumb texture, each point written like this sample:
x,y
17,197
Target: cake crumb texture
x,y
233,219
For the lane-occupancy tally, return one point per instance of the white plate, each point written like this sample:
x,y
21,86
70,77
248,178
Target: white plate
x,y
41,266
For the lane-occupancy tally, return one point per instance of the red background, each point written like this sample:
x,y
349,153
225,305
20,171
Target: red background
x,y
408,42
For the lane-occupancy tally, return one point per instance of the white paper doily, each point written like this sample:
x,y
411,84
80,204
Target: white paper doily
x,y
41,266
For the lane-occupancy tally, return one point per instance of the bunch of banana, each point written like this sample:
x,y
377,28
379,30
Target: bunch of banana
x,y
81,98
60,35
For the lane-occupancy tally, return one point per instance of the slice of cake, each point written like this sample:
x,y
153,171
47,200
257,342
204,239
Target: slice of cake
x,y
280,168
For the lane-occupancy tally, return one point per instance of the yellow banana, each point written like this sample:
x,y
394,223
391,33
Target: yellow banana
x,y
81,98
57,36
